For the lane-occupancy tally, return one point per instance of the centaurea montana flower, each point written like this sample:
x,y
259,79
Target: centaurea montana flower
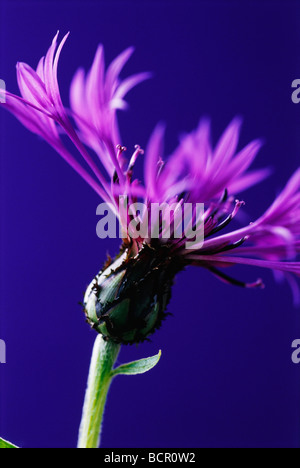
x,y
127,300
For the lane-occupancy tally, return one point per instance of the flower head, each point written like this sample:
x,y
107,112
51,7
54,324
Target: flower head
x,y
127,299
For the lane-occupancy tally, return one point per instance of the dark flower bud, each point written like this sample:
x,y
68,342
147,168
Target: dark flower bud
x,y
126,302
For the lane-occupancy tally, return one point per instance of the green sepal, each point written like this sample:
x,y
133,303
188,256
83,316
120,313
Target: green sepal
x,y
137,367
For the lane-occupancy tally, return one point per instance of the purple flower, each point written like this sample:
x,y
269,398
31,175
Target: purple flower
x,y
195,172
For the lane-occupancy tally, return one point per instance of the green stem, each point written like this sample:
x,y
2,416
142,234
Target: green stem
x,y
103,358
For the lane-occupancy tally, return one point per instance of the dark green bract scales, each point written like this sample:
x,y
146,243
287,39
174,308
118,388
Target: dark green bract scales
x,y
126,302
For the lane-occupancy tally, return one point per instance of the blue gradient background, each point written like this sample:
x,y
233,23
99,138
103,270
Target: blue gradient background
x,y
226,378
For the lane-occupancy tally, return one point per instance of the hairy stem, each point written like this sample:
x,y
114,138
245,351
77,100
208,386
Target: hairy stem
x,y
103,358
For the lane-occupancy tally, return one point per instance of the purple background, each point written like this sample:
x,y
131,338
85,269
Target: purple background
x,y
226,378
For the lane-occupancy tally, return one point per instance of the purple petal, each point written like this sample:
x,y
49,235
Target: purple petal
x,y
77,94
114,70
245,157
249,180
227,145
291,267
40,69
24,114
95,87
130,83
50,73
31,86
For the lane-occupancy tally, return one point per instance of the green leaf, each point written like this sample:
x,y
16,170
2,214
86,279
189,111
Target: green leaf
x,y
5,444
137,367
